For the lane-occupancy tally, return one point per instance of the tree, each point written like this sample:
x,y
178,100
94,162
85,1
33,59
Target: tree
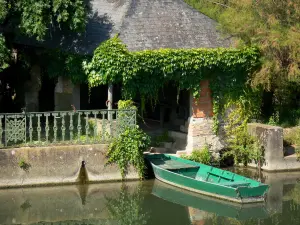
x,y
4,54
273,26
36,18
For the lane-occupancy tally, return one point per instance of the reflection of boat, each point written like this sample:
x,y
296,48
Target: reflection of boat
x,y
207,204
206,179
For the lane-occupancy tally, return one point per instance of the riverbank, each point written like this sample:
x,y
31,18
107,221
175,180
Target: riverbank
x,y
39,166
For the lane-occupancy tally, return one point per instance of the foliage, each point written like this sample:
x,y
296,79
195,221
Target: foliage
x,y
273,27
126,208
292,136
127,110
4,52
202,156
126,104
38,17
238,113
127,149
65,64
164,137
244,148
144,73
274,119
23,165
3,10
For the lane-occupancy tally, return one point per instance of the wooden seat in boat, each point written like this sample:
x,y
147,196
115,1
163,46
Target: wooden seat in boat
x,y
172,164
236,184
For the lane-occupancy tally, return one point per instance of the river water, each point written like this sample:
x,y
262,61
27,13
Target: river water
x,y
149,202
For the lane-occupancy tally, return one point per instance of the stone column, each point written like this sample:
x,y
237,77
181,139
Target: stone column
x,y
66,94
200,124
32,88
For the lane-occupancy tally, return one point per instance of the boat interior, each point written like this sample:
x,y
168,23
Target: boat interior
x,y
202,172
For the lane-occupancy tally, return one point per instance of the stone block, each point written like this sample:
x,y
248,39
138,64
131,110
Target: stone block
x,y
200,133
271,138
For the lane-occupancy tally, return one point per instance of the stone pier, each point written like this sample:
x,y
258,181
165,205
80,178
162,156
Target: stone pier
x,y
271,138
200,123
32,88
66,94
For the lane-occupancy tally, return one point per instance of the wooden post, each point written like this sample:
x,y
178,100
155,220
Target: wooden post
x,y
110,100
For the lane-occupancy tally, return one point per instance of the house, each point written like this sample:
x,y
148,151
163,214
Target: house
x,y
141,24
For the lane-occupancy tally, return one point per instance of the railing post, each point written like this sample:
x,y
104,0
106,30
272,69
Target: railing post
x,y
1,130
110,100
79,126
87,126
47,126
71,128
63,127
55,126
39,129
30,128
95,125
103,125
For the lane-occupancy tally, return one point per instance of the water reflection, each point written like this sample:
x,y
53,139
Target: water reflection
x,y
206,205
149,202
126,207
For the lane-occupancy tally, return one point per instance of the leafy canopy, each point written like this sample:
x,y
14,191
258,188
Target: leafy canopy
x,y
272,25
36,18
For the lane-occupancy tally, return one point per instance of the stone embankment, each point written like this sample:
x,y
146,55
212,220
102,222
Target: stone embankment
x,y
35,166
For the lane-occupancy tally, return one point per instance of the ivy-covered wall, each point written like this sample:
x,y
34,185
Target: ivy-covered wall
x,y
143,73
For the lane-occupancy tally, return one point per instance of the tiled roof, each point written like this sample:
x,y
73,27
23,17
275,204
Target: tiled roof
x,y
141,24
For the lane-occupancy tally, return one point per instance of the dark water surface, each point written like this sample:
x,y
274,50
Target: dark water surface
x,y
149,202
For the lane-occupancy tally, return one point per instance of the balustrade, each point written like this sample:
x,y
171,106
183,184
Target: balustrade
x,y
63,127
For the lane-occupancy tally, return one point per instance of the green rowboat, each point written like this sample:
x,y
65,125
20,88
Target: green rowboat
x,y
208,204
206,180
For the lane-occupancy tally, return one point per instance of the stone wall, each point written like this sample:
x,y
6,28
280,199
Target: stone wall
x,y
200,124
56,165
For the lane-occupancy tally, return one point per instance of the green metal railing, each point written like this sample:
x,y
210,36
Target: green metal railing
x,y
63,127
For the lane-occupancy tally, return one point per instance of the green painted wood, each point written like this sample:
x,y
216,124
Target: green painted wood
x,y
206,179
172,164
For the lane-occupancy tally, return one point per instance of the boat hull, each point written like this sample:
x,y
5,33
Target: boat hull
x,y
208,204
239,195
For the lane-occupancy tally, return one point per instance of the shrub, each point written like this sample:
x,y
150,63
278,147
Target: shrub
x,y
200,155
127,149
244,148
292,136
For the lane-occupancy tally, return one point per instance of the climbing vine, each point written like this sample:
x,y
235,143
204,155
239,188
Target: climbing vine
x,y
144,73
243,147
128,147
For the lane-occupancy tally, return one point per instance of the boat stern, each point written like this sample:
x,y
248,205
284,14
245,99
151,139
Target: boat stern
x,y
252,194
